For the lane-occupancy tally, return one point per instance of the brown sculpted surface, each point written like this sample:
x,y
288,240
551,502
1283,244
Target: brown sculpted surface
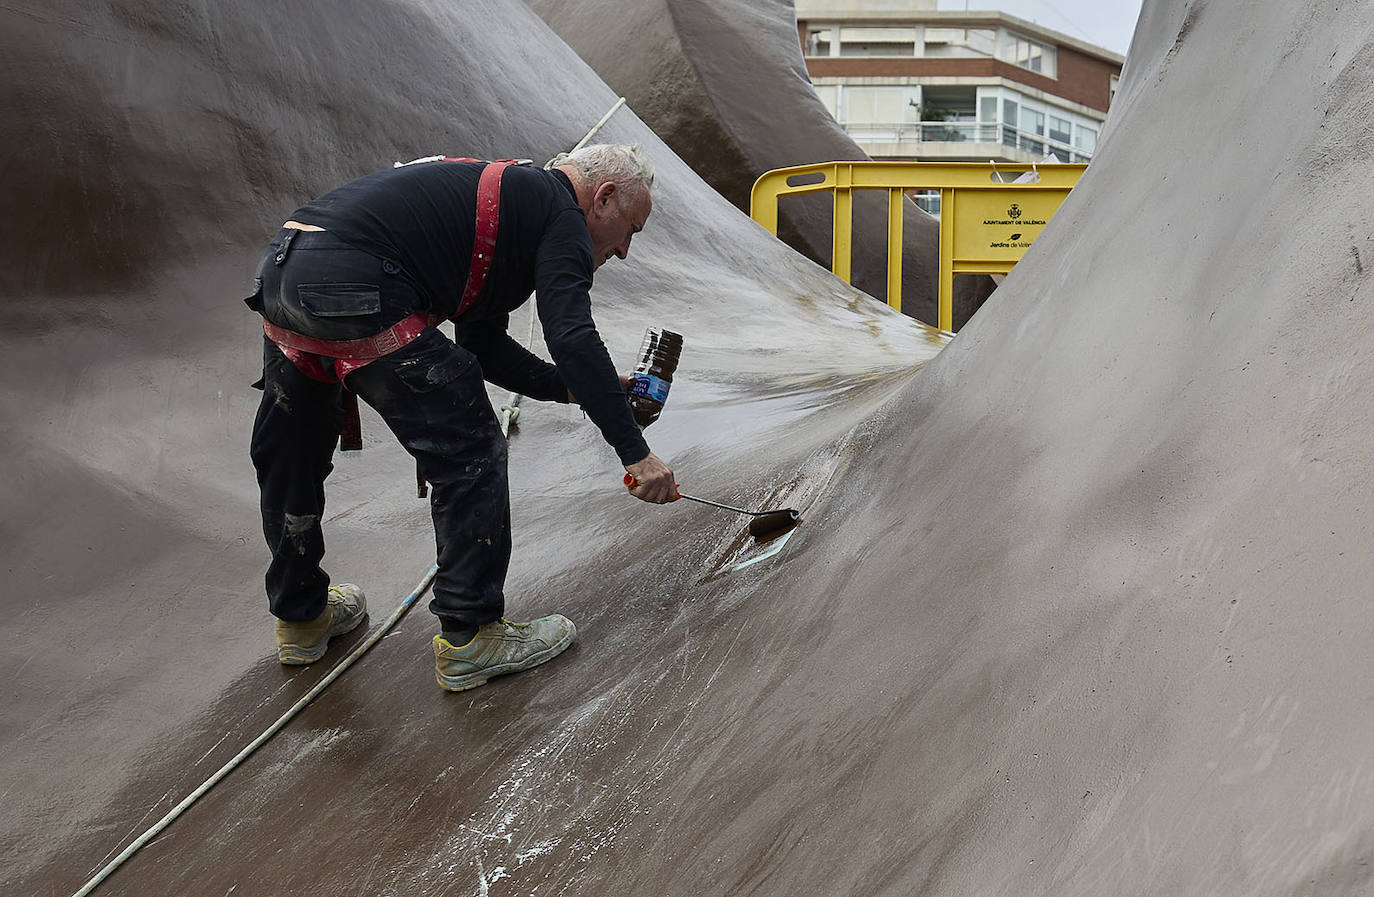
x,y
154,149
1079,608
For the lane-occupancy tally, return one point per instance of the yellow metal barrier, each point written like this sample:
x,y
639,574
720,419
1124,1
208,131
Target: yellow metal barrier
x,y
987,219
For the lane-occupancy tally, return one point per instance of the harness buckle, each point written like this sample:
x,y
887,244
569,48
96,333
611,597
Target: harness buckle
x,y
387,341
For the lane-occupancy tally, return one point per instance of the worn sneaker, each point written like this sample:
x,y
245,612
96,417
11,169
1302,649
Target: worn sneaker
x,y
500,647
302,643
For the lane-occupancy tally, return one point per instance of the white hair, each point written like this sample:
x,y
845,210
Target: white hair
x,y
624,165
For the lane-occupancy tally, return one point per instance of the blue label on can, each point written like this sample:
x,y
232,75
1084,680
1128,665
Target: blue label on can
x,y
648,385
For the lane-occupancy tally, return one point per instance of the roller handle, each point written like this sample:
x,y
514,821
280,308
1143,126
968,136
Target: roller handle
x,y
765,525
631,483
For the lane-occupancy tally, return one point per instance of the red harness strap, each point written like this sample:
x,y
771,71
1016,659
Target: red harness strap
x,y
348,354
484,237
351,354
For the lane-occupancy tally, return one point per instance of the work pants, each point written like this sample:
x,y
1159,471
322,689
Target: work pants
x,y
431,395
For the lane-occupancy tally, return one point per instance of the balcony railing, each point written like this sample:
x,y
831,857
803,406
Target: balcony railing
x,y
962,132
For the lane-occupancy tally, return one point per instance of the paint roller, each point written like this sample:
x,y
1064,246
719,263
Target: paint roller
x,y
765,525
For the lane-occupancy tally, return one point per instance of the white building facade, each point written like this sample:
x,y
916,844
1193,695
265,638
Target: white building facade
x,y
911,82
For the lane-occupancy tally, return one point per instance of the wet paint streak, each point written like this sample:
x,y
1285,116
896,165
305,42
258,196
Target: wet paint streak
x,y
777,547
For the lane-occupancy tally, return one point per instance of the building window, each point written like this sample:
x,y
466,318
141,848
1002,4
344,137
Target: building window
x,y
950,113
829,94
877,41
928,201
883,105
946,103
1038,128
818,41
1085,139
1028,54
1060,129
1032,127
960,42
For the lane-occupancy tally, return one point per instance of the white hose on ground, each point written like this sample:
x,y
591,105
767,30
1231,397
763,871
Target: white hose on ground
x,y
262,739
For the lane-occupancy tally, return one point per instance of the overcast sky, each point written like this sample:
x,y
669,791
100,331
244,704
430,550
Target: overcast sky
x,y
1107,23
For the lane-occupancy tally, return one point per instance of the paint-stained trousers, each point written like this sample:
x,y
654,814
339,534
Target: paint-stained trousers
x,y
430,393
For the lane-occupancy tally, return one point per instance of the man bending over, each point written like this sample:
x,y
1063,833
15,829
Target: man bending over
x,y
351,290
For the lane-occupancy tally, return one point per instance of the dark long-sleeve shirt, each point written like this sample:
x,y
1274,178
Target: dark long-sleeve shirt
x,y
423,216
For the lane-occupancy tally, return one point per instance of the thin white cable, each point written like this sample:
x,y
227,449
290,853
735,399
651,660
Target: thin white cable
x,y
597,127
262,739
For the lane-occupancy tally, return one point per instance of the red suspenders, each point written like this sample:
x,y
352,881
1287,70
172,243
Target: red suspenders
x,y
349,355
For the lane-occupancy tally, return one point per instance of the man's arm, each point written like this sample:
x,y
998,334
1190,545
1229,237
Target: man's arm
x,y
655,480
510,366
563,278
507,363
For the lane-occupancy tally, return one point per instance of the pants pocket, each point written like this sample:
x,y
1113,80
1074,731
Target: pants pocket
x,y
340,300
255,301
435,364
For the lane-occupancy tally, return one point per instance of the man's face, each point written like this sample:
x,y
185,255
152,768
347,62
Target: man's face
x,y
614,219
